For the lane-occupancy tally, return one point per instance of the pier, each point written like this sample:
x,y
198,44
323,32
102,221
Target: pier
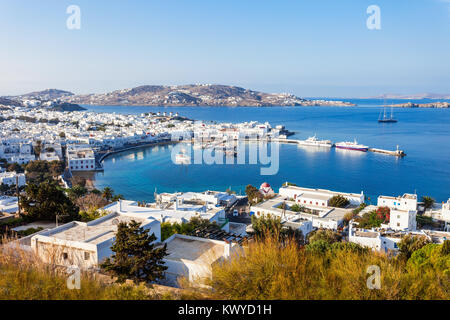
x,y
397,153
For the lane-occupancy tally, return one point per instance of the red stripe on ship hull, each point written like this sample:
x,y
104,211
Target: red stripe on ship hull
x,y
355,149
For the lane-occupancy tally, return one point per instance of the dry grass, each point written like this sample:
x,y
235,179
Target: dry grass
x,y
263,270
23,276
267,271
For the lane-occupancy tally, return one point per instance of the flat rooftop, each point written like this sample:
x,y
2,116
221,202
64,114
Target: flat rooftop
x,y
337,214
310,190
95,232
195,250
316,196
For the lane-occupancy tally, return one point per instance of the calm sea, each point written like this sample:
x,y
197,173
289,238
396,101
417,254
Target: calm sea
x,y
424,134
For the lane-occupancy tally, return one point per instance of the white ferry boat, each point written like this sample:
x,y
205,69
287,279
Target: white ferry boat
x,y
352,146
182,158
314,142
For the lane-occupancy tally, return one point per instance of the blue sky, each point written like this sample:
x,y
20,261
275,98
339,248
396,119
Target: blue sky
x,y
309,48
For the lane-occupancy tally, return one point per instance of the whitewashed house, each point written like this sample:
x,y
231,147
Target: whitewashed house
x,y
86,245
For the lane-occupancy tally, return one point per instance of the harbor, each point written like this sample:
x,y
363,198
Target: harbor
x,y
354,146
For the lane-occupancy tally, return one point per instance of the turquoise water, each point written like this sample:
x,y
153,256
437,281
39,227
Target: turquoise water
x,y
424,134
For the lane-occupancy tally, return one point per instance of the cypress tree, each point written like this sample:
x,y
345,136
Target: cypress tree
x,y
135,256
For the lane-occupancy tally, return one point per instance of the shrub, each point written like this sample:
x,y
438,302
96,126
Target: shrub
x,y
326,235
265,270
338,201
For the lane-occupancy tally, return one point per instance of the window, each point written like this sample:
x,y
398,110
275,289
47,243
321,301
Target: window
x,y
398,224
86,256
65,255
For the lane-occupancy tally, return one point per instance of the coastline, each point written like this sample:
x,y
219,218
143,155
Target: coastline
x,y
104,156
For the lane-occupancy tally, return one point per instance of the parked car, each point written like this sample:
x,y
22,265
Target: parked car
x,y
235,213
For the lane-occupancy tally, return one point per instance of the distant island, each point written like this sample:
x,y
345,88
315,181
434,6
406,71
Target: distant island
x,y
195,95
421,105
418,96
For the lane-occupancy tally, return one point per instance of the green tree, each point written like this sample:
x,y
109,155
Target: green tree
x,y
45,201
253,194
117,197
15,167
76,192
338,201
135,256
4,188
92,214
37,149
428,202
327,235
271,226
410,243
297,208
107,193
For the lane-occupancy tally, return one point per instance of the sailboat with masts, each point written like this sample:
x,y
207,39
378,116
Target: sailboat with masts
x,y
385,118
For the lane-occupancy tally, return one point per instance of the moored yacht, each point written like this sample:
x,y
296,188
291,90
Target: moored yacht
x,y
314,142
352,146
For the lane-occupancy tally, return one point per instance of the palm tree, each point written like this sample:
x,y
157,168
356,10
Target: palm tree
x,y
107,193
428,202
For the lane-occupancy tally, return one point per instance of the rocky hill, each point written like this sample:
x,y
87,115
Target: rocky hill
x,y
45,95
195,95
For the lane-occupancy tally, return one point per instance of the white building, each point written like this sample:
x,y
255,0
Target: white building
x,y
376,240
8,204
86,244
174,212
193,257
385,240
12,178
318,197
80,158
330,218
445,213
403,220
208,197
403,211
406,202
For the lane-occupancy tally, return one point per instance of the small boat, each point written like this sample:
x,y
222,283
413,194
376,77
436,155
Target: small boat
x,y
314,142
352,146
182,158
385,118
